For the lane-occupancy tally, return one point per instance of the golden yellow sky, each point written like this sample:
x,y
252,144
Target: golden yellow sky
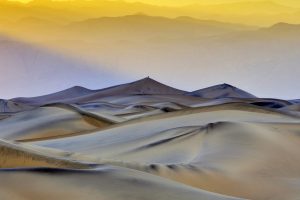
x,y
295,3
182,2
251,12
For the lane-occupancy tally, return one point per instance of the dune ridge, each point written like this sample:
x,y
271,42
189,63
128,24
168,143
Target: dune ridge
x,y
14,155
221,91
79,94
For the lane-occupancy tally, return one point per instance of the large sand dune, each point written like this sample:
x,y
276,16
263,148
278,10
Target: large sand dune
x,y
46,122
78,94
221,91
105,183
146,140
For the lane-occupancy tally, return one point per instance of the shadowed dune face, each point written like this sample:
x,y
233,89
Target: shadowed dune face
x,y
146,140
7,106
221,91
77,94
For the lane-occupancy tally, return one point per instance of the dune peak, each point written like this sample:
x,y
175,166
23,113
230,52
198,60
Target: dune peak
x,y
224,90
150,86
78,88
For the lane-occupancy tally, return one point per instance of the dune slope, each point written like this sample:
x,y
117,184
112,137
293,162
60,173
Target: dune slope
x,y
146,140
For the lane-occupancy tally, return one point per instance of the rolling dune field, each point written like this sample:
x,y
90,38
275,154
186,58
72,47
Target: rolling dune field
x,y
146,140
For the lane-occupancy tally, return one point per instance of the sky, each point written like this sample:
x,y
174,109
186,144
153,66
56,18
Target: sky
x,y
185,2
45,50
295,3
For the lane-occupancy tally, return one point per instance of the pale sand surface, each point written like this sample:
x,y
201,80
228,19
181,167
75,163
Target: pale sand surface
x,y
105,183
144,140
46,122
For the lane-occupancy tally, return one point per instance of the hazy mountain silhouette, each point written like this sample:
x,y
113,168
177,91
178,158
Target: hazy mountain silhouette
x,y
143,26
67,11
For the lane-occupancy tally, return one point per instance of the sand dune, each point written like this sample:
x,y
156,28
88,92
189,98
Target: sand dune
x,y
52,122
61,96
295,101
80,94
146,140
7,106
105,183
14,155
221,91
190,117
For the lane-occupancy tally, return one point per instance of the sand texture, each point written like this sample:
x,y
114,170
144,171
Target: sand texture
x,y
146,141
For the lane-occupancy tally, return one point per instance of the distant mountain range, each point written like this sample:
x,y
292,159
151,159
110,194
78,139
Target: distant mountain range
x,y
129,43
66,11
144,27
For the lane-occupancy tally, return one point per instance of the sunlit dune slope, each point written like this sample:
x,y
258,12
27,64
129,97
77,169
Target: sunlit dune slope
x,y
14,155
189,117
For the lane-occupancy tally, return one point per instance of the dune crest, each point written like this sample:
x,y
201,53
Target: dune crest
x,y
221,91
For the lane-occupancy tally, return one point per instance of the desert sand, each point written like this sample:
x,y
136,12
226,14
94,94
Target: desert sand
x,y
146,140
